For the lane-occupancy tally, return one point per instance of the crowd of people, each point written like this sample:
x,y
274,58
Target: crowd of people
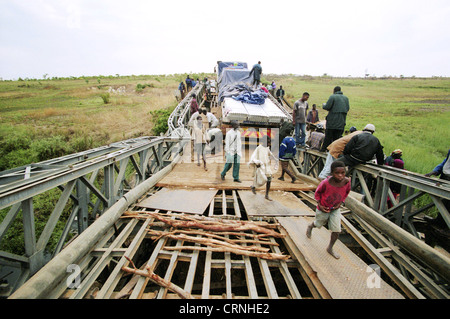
x,y
343,149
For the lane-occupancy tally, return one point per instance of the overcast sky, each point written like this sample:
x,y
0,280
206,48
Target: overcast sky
x,y
109,37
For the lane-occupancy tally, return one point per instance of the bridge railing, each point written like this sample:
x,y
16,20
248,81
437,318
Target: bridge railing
x,y
384,225
374,181
179,118
77,189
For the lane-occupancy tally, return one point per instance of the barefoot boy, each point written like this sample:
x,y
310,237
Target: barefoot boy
x,y
330,194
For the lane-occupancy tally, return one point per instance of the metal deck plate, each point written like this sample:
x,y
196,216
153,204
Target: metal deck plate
x,y
345,278
282,204
180,200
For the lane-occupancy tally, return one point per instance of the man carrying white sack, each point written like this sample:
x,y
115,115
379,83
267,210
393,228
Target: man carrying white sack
x,y
260,160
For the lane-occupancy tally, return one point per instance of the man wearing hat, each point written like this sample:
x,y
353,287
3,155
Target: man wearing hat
x,y
335,150
362,148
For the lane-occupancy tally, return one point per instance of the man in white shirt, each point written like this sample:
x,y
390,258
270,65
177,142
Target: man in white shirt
x,y
212,119
260,160
233,152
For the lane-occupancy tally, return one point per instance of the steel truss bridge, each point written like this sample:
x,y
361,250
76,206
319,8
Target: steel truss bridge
x,y
92,190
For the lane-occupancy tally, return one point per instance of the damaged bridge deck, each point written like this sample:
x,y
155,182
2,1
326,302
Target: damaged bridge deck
x,y
219,240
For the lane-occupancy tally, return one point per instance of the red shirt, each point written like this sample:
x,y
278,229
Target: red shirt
x,y
329,196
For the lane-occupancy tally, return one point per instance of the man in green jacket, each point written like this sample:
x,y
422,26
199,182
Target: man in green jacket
x,y
337,107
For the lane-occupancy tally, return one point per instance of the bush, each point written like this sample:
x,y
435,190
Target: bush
x,y
15,150
106,98
81,143
140,87
49,148
159,119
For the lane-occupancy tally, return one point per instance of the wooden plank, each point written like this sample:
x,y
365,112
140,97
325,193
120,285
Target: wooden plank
x,y
346,277
191,272
170,269
207,276
228,273
211,208
237,211
251,284
224,203
180,200
267,278
286,274
186,173
114,278
282,204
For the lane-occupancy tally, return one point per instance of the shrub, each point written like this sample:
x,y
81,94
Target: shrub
x,y
49,148
140,87
106,97
159,119
81,143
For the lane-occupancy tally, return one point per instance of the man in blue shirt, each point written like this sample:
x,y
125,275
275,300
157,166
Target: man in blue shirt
x,y
438,231
442,169
286,153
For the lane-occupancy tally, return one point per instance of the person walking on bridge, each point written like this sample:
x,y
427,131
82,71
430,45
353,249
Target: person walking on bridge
x,y
233,152
200,140
260,160
287,153
330,195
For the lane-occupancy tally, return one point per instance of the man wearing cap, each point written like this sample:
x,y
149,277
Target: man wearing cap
x,y
335,150
362,148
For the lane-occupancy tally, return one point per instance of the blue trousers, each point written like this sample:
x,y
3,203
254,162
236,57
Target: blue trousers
x,y
300,140
234,161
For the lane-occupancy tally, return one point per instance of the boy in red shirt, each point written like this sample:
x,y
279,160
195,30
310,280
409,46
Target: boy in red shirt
x,y
330,194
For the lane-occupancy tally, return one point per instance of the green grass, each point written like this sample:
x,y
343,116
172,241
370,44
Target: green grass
x,y
43,119
412,114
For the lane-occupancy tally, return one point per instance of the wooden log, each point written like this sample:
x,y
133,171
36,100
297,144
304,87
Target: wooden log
x,y
269,256
219,226
213,242
207,234
158,280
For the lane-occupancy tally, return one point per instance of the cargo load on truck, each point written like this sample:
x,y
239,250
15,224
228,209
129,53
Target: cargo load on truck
x,y
242,102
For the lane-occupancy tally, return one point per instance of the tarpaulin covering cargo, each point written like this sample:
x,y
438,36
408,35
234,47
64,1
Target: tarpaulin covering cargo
x,y
232,65
230,78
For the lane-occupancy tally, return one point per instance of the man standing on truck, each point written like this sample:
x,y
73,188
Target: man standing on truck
x,y
233,152
299,119
256,71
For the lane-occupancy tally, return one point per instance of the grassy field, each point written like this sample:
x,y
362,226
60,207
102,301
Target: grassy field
x,y
412,114
41,119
